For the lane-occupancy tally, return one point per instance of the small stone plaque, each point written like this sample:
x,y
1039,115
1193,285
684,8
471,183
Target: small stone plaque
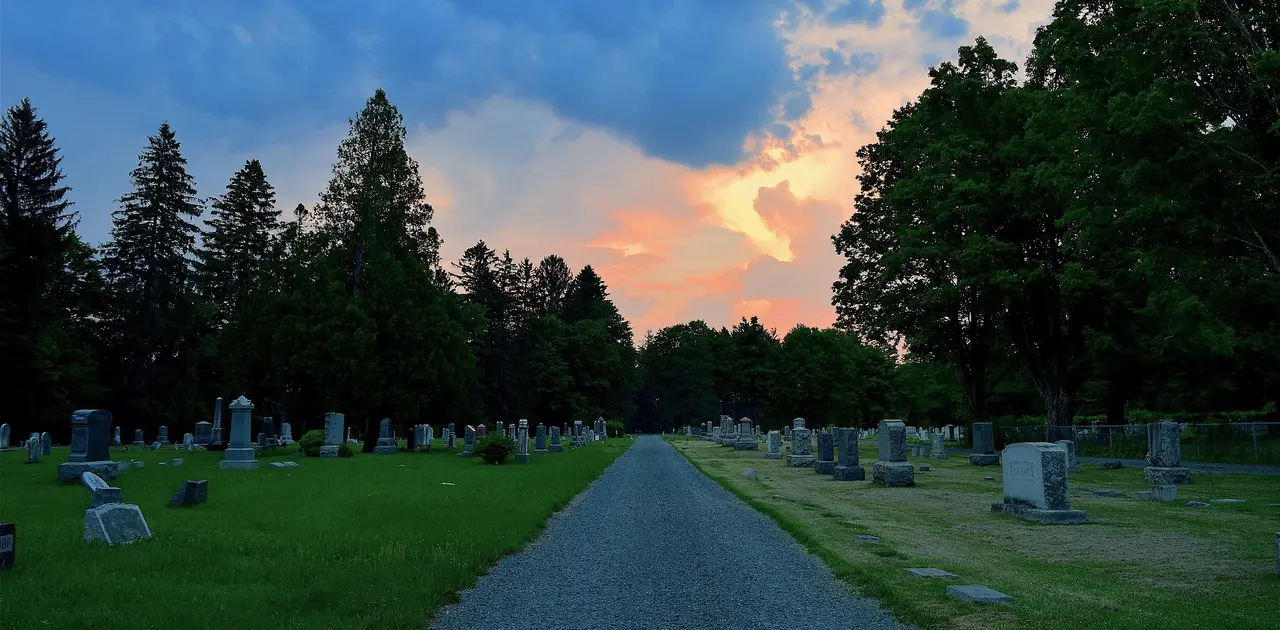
x,y
1225,501
867,539
978,594
930,573
7,540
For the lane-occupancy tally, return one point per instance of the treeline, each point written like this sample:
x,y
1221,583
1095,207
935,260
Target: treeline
x,y
1104,231
347,308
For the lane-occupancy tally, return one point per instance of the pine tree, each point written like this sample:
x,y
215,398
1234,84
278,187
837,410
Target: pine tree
x,y
551,280
36,237
238,240
148,267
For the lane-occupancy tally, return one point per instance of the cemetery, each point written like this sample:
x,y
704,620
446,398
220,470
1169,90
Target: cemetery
x,y
1026,542
277,539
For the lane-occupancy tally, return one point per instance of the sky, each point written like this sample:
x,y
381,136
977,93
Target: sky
x,y
699,154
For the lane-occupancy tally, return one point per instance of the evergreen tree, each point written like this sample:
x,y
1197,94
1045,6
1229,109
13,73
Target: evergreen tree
x,y
152,318
551,281
238,240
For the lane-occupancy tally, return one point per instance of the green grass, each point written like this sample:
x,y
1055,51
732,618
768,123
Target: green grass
x,y
371,541
1134,564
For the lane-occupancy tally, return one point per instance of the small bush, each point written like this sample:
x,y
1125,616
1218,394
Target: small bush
x,y
614,428
311,442
495,449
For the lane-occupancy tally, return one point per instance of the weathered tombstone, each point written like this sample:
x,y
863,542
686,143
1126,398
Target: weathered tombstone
x,y
115,436
1035,484
137,438
333,422
555,446
204,433
939,447
33,449
269,428
415,435
90,447
522,443
468,442
1164,441
189,441
891,468
578,440
773,445
1164,493
984,445
215,432
386,443
286,433
4,436
450,436
847,468
240,454
826,463
540,440
191,493
1073,466
163,436
801,447
502,430
46,444
101,493
746,439
115,524
481,432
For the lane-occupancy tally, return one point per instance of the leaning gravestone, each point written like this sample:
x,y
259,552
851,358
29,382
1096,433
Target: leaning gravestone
x,y
191,493
847,468
1035,484
469,442
540,440
333,422
773,445
892,468
522,443
386,443
110,520
240,454
555,446
90,447
1164,441
826,463
801,447
984,445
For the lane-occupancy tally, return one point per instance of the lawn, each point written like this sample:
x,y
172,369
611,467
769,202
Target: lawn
x,y
1134,564
372,541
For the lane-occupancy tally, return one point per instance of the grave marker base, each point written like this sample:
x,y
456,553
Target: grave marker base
x,y
893,474
802,461
71,471
824,468
1048,517
849,473
1158,476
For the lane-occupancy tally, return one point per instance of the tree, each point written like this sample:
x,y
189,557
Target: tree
x,y
752,366
238,240
551,281
152,321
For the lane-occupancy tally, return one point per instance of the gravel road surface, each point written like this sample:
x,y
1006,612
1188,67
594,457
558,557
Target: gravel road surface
x,y
653,543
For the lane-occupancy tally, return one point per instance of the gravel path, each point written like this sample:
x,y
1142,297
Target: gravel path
x,y
653,543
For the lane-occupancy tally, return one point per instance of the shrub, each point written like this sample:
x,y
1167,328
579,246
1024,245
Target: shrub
x,y
614,428
495,449
311,442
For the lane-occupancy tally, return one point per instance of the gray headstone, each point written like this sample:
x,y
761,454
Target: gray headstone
x,y
90,436
984,438
204,433
386,441
33,449
163,436
798,423
46,444
240,454
191,493
522,442
865,538
978,594
1035,484
773,445
4,436
540,439
115,524
826,463
333,425
137,437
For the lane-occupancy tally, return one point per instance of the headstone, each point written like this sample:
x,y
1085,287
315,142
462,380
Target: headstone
x,y
163,436
847,468
540,440
555,446
333,422
1035,484
826,463
286,433
215,432
429,435
189,441
115,524
931,573
415,437
579,440
115,437
1164,442
746,439
773,445
137,438
270,441
522,443
100,491
204,433
450,436
469,442
386,443
801,447
939,447
90,447
984,445
46,444
9,540
4,436
481,432
978,594
798,423
240,454
867,538
1073,466
502,430
191,493
891,468
1164,493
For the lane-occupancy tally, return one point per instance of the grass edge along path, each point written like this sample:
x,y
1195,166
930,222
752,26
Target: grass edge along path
x,y
372,541
1134,564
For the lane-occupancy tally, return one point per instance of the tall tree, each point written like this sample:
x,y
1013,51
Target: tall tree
x,y
551,280
152,321
238,241
753,361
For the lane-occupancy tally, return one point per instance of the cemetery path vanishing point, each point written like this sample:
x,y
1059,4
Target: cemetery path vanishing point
x,y
653,543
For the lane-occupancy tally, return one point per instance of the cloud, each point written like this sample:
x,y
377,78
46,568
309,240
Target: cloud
x,y
869,12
